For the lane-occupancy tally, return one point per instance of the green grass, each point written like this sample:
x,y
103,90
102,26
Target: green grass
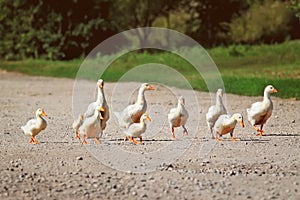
x,y
245,69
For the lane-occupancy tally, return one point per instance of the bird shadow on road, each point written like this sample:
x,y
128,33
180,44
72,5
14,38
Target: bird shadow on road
x,y
256,140
282,135
144,140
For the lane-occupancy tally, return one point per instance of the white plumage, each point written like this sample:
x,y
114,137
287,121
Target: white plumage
x,y
178,116
135,130
101,101
91,127
260,112
226,124
132,113
34,126
215,111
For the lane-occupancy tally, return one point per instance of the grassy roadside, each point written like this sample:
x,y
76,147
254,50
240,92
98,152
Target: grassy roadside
x,y
245,70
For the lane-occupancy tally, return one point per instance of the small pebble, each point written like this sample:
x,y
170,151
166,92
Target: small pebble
x,y
79,158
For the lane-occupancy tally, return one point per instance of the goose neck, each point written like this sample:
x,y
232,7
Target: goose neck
x,y
100,96
219,100
266,96
141,96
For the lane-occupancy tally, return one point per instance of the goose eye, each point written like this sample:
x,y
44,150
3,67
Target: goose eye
x,y
271,88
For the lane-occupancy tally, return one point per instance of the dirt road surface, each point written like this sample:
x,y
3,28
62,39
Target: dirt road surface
x,y
194,167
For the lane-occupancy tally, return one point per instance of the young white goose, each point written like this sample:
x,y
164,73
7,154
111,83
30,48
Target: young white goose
x,y
260,112
132,113
226,124
178,117
136,129
101,101
34,126
91,127
215,111
76,124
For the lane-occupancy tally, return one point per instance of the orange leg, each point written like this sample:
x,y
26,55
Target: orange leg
x,y
97,141
83,140
131,139
212,134
32,140
234,139
259,131
217,138
141,140
185,132
172,131
77,136
101,133
210,128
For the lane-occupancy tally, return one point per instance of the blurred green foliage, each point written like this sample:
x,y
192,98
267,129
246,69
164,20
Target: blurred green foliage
x,y
269,21
295,5
245,69
58,30
51,29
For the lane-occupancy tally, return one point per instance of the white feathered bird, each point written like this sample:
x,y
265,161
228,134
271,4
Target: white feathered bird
x,y
91,127
101,101
178,117
135,130
260,112
34,126
132,113
226,124
215,111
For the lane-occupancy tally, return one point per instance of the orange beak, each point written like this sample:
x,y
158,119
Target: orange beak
x,y
150,87
274,90
148,118
242,124
44,114
100,84
101,109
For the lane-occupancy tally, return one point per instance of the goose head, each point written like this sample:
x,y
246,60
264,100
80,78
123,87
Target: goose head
x,y
40,112
220,92
181,100
100,83
270,89
145,117
147,86
239,118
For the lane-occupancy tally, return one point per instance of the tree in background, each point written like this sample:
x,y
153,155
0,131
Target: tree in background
x,y
70,29
129,14
207,19
51,29
268,22
295,5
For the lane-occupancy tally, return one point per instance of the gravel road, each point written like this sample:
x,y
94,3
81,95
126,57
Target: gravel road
x,y
191,167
